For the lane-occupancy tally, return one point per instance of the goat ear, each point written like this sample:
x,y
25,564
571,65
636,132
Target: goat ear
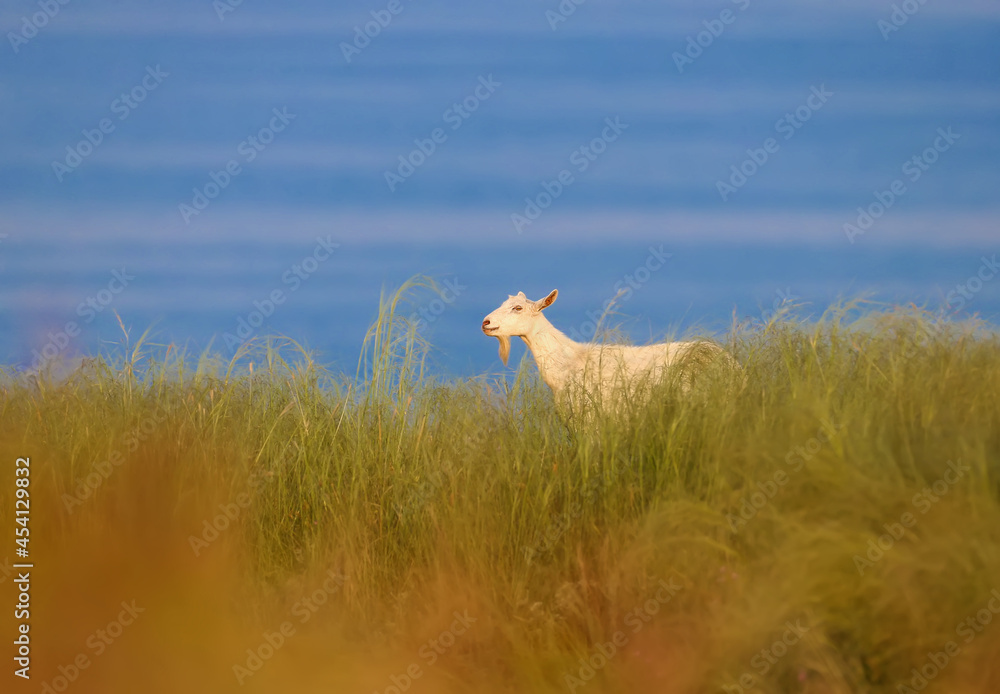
x,y
547,301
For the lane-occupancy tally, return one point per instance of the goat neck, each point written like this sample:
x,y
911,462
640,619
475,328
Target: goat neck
x,y
555,353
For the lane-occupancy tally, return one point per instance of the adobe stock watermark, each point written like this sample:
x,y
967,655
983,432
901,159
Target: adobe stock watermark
x,y
768,657
923,501
248,149
763,492
966,291
432,310
936,661
213,528
122,106
543,542
565,10
272,641
454,116
365,33
224,7
624,289
931,329
899,16
87,309
31,25
787,126
429,653
293,278
98,643
782,299
913,169
580,159
5,570
420,494
703,40
92,481
636,619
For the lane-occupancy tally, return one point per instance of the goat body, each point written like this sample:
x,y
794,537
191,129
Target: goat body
x,y
583,374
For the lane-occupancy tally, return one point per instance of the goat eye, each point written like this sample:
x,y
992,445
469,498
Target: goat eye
x,y
516,308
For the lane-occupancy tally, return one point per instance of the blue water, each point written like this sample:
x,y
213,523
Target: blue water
x,y
64,231
700,287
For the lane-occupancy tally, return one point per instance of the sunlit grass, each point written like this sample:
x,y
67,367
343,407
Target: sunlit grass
x,y
754,500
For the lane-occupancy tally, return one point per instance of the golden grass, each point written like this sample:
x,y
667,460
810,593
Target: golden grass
x,y
669,553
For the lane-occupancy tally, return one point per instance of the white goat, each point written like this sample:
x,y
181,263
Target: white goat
x,y
579,373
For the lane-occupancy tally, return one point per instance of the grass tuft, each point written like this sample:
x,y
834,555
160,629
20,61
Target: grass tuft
x,y
844,496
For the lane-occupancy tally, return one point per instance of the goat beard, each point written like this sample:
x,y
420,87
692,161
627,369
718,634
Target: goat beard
x,y
504,348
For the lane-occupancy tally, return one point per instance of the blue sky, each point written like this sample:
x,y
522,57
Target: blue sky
x,y
214,83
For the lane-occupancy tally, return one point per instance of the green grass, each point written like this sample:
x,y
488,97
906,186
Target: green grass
x,y
431,496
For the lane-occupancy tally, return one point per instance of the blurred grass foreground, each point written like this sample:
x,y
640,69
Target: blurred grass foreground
x,y
829,525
